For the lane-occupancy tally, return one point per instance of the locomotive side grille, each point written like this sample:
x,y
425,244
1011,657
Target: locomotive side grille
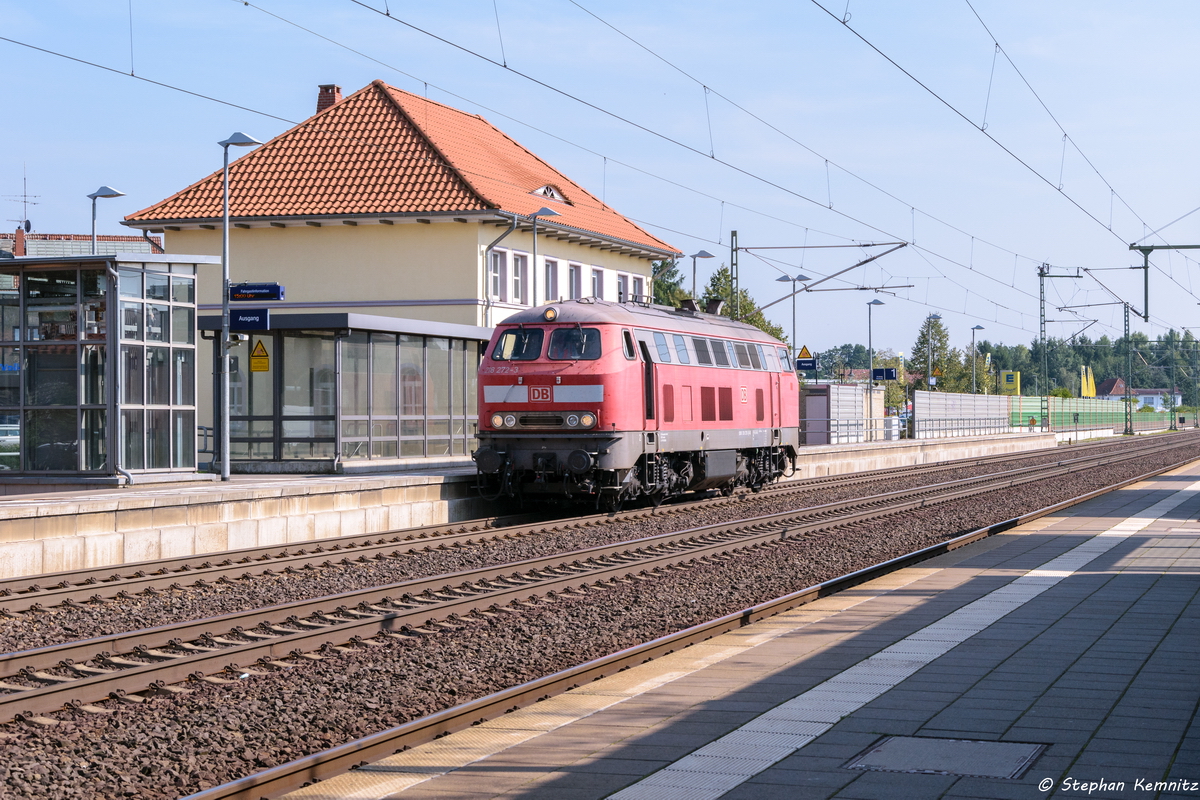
x,y
540,421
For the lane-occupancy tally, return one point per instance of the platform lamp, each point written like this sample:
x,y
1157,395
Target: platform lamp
x,y
238,139
871,371
103,191
932,318
976,328
694,256
541,212
793,281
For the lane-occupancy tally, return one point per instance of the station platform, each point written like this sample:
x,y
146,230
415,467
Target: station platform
x,y
44,533
1059,659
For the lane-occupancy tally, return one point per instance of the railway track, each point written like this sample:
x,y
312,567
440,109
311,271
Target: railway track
x,y
92,585
122,665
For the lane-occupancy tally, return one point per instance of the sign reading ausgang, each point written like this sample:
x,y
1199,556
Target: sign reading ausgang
x,y
255,291
250,319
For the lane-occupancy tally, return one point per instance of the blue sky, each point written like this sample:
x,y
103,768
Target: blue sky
x,y
849,129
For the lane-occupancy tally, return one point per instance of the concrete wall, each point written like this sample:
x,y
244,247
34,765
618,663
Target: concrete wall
x,y
52,535
839,459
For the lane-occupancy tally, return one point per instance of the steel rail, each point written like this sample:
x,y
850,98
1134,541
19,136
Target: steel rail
x,y
312,623
81,586
275,781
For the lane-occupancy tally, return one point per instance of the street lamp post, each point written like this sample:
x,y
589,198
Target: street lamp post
x,y
103,191
238,139
871,372
541,212
929,379
700,254
793,281
976,328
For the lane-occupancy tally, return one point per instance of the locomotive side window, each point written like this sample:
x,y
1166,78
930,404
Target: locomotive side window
x,y
574,344
754,356
743,355
732,356
660,344
708,404
783,357
719,353
769,362
702,351
725,401
681,349
521,344
630,351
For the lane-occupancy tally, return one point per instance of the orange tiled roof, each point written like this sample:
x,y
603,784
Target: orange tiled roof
x,y
385,151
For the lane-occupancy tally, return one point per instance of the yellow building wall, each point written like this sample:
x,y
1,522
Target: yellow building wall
x,y
380,263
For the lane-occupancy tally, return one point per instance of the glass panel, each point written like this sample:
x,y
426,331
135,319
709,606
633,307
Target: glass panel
x,y
292,450
10,306
472,378
51,288
10,441
681,349
522,344
575,344
183,445
300,428
383,448
158,439
357,449
183,325
93,283
93,439
412,427
132,374
412,447
129,283
355,375
158,377
260,451
51,323
95,319
261,384
157,323
438,386
52,377
439,427
183,377
10,377
355,427
92,374
131,321
308,374
660,344
384,362
720,355
183,290
51,440
184,269
458,360
383,429
158,286
239,427
439,447
239,395
412,375
262,428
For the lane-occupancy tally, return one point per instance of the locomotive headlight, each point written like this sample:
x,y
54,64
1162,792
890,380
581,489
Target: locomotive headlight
x,y
510,421
497,420
587,420
550,314
573,421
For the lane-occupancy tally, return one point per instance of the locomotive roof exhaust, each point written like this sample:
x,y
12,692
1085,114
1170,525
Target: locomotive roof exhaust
x,y
714,306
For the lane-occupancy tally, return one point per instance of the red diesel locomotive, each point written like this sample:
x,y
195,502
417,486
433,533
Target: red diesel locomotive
x,y
604,401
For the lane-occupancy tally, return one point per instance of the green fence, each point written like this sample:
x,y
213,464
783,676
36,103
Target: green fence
x,y
1085,413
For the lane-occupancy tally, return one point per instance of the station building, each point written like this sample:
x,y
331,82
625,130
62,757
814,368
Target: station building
x,y
402,230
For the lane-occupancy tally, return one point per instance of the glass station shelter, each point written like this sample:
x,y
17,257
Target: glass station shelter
x,y
98,367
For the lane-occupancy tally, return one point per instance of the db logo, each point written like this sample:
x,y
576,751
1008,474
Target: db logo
x,y
745,394
539,394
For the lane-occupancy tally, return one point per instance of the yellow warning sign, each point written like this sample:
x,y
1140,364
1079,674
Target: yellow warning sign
x,y
259,360
937,372
804,353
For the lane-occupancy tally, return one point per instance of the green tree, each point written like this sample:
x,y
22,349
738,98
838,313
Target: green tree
x,y
668,284
720,286
932,345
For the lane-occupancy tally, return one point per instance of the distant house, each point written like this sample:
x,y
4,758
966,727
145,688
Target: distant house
x,y
1158,399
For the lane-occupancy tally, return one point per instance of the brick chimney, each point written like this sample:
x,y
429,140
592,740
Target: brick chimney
x,y
19,242
329,94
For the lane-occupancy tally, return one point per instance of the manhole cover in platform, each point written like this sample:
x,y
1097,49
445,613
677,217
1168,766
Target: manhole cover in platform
x,y
969,758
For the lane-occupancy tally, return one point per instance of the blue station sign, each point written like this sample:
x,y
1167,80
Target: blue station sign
x,y
250,319
806,364
255,291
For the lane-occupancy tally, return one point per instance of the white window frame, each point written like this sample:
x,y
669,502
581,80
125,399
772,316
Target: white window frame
x,y
520,279
622,288
639,287
575,281
551,276
598,283
498,276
